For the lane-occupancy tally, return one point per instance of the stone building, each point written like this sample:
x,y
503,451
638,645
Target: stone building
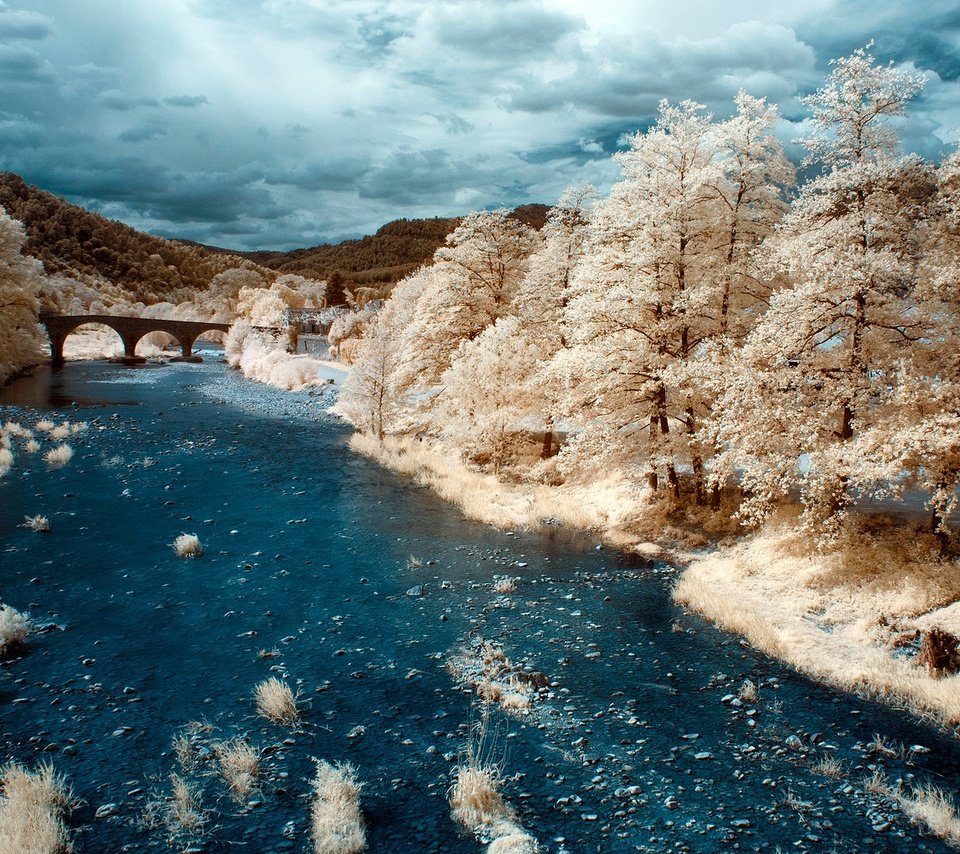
x,y
308,328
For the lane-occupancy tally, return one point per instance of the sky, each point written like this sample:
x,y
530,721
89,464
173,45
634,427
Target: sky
x,y
274,124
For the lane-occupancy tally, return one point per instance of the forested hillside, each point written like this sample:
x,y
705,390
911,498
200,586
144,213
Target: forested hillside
x,y
75,242
380,260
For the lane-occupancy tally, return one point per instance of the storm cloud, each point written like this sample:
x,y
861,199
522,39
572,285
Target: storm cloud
x,y
283,123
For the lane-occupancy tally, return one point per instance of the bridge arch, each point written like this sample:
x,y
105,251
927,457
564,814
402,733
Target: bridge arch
x,y
107,341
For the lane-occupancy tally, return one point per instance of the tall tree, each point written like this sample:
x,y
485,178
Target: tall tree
x,y
542,300
824,361
646,293
471,285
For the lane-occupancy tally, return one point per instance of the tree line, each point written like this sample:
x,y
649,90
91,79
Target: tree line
x,y
708,326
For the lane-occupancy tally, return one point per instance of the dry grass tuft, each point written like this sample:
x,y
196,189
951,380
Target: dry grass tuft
x,y
829,766
59,456
31,446
184,814
187,545
514,843
14,628
182,746
277,702
337,824
932,808
6,460
878,784
45,425
504,584
37,523
239,765
31,810
61,432
495,678
475,798
414,562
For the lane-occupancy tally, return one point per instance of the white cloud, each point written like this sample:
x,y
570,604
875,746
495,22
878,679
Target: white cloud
x,y
236,121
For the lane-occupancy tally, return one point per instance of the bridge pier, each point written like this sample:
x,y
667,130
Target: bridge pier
x,y
56,350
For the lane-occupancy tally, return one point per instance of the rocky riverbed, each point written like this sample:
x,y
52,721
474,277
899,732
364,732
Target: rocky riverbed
x,y
646,729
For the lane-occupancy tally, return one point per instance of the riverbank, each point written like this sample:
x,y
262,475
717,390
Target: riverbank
x,y
851,617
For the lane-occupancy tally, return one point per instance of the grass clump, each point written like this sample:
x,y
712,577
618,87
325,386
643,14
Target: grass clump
x,y
31,446
487,670
475,799
184,814
32,808
829,766
932,808
276,702
239,766
38,523
187,545
14,628
336,822
59,456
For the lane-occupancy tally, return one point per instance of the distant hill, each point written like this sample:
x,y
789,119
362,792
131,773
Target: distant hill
x,y
377,260
68,238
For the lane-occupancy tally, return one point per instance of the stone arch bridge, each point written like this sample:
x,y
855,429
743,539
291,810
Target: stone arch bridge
x,y
130,330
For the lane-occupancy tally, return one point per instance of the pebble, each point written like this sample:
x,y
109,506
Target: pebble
x,y
107,810
793,742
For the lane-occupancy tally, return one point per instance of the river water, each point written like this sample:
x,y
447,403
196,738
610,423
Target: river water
x,y
307,555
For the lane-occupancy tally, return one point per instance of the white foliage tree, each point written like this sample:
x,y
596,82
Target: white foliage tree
x,y
827,358
20,281
472,284
542,300
646,296
485,396
373,397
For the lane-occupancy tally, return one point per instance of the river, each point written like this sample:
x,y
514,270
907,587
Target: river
x,y
635,746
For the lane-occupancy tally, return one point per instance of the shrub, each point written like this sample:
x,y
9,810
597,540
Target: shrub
x,y
14,628
277,702
187,545
239,765
31,810
60,455
335,813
